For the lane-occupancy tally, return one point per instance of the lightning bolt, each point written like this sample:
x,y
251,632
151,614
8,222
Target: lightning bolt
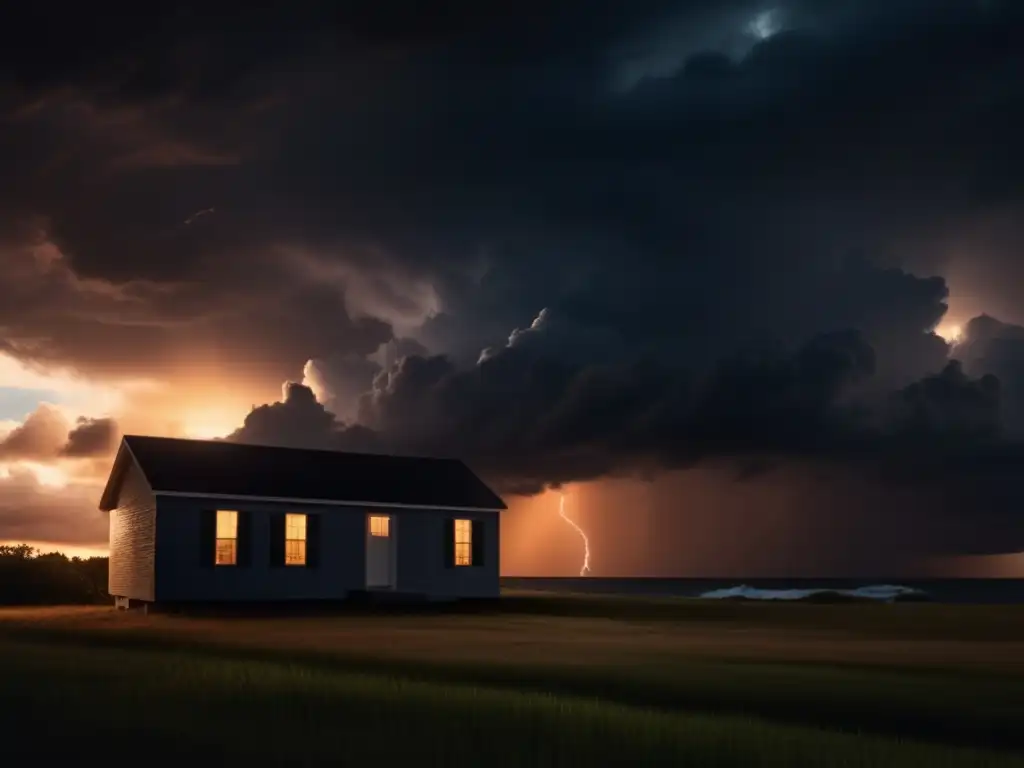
x,y
586,542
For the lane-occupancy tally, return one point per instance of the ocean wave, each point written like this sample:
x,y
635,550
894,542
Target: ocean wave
x,y
883,593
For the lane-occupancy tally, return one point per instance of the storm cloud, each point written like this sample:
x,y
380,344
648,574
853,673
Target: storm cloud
x,y
530,417
990,347
498,162
611,241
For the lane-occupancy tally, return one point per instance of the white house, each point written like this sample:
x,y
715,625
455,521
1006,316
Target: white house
x,y
211,521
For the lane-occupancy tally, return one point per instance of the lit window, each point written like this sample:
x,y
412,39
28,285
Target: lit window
x,y
227,537
463,542
294,539
380,525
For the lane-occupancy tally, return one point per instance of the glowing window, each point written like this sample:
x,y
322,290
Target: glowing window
x,y
380,525
227,537
463,542
294,539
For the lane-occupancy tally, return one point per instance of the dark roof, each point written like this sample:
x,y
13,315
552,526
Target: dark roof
x,y
233,469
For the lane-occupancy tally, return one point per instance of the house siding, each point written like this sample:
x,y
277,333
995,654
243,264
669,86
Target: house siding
x,y
421,566
420,569
131,571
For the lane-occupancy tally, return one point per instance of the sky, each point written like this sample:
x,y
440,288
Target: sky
x,y
743,279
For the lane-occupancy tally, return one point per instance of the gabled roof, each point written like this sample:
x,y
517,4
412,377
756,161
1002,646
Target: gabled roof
x,y
215,468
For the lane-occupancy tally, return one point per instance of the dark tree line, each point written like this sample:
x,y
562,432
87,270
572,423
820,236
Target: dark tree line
x,y
30,577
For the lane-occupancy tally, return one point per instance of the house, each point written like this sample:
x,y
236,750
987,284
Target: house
x,y
212,521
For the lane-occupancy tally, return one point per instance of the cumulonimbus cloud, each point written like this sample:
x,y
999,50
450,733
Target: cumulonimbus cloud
x,y
688,234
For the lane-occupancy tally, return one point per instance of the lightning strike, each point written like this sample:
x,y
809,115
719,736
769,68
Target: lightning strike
x,y
586,542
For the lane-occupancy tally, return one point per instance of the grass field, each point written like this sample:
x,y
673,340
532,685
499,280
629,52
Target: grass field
x,y
537,681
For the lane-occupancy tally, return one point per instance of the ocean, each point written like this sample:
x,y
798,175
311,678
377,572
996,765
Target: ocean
x,y
971,591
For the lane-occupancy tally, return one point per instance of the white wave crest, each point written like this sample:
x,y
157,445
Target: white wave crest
x,y
886,593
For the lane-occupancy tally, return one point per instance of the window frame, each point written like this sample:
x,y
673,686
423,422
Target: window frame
x,y
219,539
462,552
301,543
383,529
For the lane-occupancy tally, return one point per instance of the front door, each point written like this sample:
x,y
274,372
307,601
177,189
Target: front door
x,y
380,552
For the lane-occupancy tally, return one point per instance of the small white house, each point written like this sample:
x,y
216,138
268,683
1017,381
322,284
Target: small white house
x,y
211,521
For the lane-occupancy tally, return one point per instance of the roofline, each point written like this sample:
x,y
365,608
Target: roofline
x,y
325,502
222,441
123,446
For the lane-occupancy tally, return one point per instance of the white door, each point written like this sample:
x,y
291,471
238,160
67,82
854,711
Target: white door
x,y
380,552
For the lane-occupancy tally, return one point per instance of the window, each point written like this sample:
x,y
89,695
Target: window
x,y
294,539
463,542
380,525
227,538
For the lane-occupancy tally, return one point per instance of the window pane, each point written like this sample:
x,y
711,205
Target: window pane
x,y
380,525
227,551
294,539
463,542
227,524
295,552
295,527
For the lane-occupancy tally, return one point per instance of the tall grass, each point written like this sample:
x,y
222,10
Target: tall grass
x,y
949,706
66,701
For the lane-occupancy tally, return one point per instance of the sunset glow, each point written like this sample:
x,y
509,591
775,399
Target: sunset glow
x,y
206,430
68,550
70,391
47,475
210,423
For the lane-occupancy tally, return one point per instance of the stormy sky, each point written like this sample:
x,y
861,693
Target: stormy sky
x,y
745,278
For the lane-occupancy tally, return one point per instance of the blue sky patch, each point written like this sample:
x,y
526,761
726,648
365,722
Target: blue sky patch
x,y
17,402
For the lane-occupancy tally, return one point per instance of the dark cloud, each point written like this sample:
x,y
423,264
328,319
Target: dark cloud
x,y
950,405
339,381
46,435
990,347
299,421
142,328
484,135
529,416
91,437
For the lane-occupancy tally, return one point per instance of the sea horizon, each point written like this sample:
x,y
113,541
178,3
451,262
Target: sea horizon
x,y
972,590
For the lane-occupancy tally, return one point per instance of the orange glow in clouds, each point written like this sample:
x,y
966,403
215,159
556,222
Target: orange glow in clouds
x,y
202,422
949,332
47,475
210,425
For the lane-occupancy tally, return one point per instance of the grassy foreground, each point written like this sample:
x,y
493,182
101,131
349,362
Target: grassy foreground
x,y
537,682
